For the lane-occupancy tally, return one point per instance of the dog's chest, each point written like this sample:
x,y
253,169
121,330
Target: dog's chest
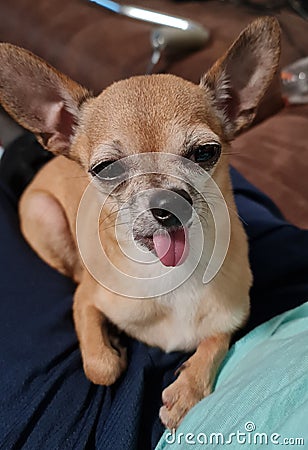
x,y
189,317
178,320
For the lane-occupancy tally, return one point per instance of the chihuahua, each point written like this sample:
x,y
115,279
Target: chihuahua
x,y
136,200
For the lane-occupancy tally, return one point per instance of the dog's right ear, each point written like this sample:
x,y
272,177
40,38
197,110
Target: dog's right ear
x,y
238,81
40,98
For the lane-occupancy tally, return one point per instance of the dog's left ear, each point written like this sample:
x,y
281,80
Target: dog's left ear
x,y
238,80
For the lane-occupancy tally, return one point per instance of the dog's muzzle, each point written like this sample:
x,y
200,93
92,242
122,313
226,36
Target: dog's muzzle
x,y
172,210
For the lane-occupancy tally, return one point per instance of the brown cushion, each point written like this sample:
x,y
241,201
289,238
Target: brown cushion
x,y
97,47
274,156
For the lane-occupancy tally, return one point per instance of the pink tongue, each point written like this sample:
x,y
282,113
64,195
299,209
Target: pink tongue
x,y
171,248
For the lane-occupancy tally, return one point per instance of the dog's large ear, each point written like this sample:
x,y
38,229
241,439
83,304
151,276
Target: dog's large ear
x,y
238,80
39,97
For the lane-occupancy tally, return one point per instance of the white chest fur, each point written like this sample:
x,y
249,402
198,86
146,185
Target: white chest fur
x,y
180,319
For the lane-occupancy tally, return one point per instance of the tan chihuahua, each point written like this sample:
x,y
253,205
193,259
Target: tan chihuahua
x,y
160,297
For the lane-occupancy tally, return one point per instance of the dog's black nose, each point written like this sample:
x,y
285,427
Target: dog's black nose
x,y
171,207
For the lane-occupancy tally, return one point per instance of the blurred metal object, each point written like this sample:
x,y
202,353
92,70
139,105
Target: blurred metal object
x,y
175,42
294,79
175,36
300,7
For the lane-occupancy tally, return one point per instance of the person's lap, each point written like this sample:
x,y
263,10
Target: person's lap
x,y
46,400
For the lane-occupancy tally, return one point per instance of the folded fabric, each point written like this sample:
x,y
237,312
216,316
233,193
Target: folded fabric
x,y
261,394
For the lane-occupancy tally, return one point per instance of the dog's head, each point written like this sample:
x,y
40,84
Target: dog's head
x,y
147,139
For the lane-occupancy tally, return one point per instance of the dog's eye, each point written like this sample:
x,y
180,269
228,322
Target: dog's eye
x,y
207,154
108,170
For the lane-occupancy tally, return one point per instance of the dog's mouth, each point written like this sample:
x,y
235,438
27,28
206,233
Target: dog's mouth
x,y
170,246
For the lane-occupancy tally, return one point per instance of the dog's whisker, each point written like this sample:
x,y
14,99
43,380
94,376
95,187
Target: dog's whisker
x,y
236,213
118,224
76,177
113,212
231,153
115,225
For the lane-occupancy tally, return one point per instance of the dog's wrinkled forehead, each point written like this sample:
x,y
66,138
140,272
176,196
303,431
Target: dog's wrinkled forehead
x,y
148,113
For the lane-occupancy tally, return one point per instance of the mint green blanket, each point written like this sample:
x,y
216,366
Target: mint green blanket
x,y
261,394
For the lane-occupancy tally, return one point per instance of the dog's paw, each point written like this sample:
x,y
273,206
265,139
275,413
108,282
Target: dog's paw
x,y
105,367
178,399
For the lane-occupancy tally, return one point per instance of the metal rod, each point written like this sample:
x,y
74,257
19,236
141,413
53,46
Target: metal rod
x,y
148,15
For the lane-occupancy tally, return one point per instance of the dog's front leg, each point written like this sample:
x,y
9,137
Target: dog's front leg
x,y
195,380
103,364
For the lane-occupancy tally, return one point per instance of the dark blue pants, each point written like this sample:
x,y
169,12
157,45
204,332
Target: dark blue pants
x,y
46,401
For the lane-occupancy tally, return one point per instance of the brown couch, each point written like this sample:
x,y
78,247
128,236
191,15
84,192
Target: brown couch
x,y
96,47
